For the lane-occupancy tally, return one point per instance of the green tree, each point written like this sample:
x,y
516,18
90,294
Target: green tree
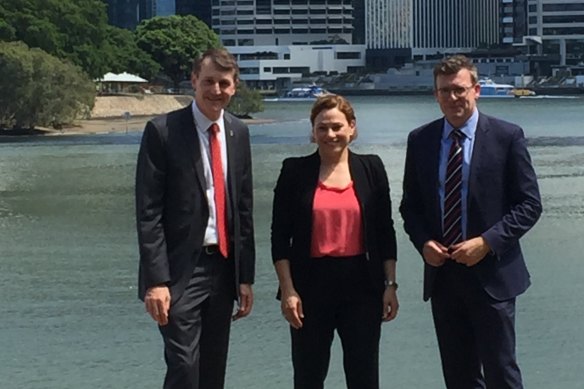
x,y
68,29
245,101
39,89
75,30
126,56
173,42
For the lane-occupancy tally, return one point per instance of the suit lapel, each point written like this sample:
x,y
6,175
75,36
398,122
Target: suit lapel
x,y
431,166
230,141
191,140
359,178
479,154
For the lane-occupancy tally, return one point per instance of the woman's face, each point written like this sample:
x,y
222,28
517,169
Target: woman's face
x,y
332,132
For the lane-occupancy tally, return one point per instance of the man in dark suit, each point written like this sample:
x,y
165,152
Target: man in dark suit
x,y
470,192
195,227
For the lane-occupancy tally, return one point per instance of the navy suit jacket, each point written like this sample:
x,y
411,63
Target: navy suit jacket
x,y
171,205
292,211
503,201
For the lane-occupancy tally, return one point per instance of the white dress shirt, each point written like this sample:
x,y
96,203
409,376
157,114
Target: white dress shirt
x,y
202,124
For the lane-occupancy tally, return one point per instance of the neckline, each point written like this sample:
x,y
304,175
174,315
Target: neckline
x,y
322,185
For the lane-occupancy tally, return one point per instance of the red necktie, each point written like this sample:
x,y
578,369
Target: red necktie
x,y
219,185
452,192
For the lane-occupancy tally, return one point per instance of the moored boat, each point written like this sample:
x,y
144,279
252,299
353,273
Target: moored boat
x,y
490,89
304,93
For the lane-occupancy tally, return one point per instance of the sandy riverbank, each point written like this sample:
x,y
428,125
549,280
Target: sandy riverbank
x,y
108,113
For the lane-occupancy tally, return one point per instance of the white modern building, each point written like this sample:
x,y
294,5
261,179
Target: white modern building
x,y
274,67
557,23
279,41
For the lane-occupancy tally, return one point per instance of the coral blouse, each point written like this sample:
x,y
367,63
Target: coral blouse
x,y
337,230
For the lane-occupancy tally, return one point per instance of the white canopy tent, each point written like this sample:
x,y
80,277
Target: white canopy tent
x,y
118,83
122,77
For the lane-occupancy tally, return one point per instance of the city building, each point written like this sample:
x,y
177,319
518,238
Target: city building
x,y
559,25
401,30
164,7
128,13
282,22
199,8
513,21
272,68
278,42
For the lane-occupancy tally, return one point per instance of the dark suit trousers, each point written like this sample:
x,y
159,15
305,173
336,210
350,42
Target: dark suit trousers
x,y
476,334
196,339
337,294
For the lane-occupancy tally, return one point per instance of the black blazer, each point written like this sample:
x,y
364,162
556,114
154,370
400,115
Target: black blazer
x,y
292,210
171,206
503,200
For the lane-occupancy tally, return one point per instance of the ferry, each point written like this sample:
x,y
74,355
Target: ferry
x,y
490,89
304,93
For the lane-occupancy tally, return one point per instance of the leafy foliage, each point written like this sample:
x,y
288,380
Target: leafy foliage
x,y
69,29
49,91
75,30
126,56
173,42
245,101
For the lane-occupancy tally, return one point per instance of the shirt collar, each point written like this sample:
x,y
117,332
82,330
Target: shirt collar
x,y
468,129
202,122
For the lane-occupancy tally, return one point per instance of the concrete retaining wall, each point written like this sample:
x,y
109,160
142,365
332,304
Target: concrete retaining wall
x,y
139,105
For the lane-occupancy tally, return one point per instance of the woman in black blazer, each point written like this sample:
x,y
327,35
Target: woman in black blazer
x,y
334,250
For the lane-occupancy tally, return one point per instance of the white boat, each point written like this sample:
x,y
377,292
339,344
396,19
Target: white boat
x,y
304,93
490,89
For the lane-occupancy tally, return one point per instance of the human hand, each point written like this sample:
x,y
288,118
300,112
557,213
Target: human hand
x,y
390,304
434,253
245,301
292,308
470,252
157,303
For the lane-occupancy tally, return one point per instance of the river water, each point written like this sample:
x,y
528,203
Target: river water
x,y
70,318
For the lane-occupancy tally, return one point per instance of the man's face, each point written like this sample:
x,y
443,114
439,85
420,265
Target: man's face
x,y
457,96
213,89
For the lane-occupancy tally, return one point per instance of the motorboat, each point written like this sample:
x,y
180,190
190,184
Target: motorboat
x,y
490,89
303,93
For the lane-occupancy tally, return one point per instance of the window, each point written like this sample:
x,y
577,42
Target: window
x,y
245,42
349,55
562,7
249,70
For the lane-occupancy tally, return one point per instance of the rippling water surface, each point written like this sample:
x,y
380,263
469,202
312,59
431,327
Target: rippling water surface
x,y
68,259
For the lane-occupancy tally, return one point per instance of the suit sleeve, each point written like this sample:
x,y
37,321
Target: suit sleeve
x,y
411,203
384,223
525,202
245,209
282,218
150,188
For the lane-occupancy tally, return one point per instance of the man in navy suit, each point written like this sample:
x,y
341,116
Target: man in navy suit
x,y
473,278
195,226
